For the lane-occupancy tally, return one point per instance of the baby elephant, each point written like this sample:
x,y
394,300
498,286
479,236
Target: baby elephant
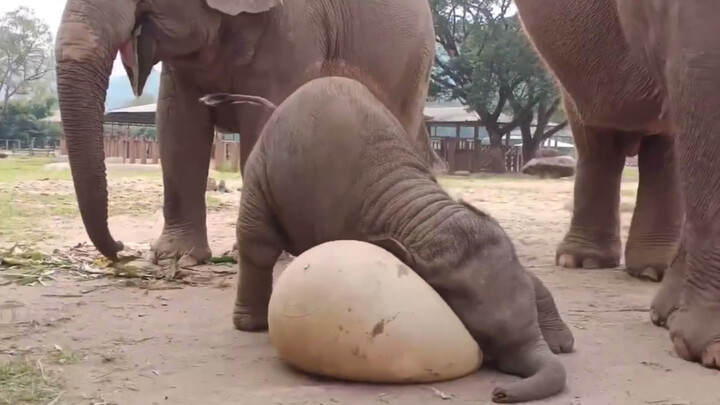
x,y
333,163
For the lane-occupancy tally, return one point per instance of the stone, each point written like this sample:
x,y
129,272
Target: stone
x,y
552,167
351,310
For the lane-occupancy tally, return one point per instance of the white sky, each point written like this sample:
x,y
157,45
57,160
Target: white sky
x,y
50,11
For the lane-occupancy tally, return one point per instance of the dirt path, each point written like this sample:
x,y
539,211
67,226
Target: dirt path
x,y
125,345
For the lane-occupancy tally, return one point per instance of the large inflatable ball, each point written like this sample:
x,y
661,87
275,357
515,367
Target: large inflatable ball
x,y
351,310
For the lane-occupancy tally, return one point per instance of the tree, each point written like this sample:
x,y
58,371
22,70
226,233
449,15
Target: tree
x,y
23,121
25,54
484,60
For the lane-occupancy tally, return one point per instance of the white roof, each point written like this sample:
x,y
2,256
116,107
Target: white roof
x,y
145,108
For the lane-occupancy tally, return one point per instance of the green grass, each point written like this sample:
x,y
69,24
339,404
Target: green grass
x,y
24,382
631,174
16,169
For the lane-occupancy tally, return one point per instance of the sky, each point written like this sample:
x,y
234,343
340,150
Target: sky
x,y
51,12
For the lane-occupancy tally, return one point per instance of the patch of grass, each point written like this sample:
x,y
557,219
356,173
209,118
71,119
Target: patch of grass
x,y
15,169
631,174
24,382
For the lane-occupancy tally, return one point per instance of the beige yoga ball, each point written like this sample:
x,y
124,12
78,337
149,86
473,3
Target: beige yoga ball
x,y
351,310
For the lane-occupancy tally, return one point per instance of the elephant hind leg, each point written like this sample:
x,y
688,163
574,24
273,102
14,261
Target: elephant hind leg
x,y
554,330
657,219
593,240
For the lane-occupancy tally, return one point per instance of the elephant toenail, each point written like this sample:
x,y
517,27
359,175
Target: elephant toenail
x,y
656,318
651,273
711,356
681,348
567,261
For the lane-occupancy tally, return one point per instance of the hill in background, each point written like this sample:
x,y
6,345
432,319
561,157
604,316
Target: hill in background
x,y
120,93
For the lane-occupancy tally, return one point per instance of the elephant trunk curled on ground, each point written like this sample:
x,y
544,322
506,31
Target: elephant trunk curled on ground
x,y
333,163
262,47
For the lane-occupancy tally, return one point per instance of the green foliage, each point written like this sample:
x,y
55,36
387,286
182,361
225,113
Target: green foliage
x,y
23,121
485,61
25,54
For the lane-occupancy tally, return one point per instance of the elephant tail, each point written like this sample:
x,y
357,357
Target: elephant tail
x,y
544,374
218,99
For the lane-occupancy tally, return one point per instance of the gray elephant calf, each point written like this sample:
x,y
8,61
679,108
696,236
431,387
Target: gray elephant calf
x,y
333,163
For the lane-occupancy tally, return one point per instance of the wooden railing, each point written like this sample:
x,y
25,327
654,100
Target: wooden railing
x,y
225,154
469,155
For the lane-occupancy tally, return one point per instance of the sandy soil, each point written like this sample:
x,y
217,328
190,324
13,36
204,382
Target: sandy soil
x,y
138,346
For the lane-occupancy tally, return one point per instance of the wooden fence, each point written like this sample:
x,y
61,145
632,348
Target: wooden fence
x,y
225,154
461,155
469,155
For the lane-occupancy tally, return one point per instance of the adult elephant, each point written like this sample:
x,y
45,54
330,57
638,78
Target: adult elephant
x,y
261,47
643,77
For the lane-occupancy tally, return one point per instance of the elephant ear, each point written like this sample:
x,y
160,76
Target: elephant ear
x,y
394,246
235,7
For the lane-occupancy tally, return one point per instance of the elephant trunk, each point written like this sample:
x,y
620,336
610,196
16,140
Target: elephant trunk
x,y
544,374
87,42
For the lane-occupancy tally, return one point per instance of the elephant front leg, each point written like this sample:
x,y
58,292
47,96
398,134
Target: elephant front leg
x,y
694,91
186,133
657,219
259,247
593,240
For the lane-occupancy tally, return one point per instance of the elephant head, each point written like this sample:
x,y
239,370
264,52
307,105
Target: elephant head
x,y
91,34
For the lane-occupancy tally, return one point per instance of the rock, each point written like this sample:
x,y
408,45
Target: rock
x,y
211,185
3,155
351,310
553,167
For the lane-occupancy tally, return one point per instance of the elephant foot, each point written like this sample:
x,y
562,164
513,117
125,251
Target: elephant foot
x,y
574,255
648,264
559,338
695,333
248,320
667,299
194,249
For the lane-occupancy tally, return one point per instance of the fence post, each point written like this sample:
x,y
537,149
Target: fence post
x,y
155,151
143,151
219,154
235,157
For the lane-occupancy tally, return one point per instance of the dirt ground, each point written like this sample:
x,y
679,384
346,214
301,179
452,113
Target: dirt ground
x,y
105,340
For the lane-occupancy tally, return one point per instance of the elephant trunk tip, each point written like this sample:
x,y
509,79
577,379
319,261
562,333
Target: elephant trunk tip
x,y
547,377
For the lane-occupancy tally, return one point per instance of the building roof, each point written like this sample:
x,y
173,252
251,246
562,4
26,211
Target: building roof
x,y
137,114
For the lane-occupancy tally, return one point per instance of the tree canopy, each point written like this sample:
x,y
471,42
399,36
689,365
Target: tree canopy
x,y
25,89
485,61
25,54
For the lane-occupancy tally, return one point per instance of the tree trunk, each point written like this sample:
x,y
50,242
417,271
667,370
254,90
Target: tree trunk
x,y
530,144
497,155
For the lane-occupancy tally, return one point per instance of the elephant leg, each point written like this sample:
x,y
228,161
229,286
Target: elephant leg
x,y
667,298
185,131
259,247
694,99
593,240
554,330
657,219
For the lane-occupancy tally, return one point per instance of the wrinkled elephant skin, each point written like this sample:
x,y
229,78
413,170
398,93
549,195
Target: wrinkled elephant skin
x,y
370,185
262,47
643,77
